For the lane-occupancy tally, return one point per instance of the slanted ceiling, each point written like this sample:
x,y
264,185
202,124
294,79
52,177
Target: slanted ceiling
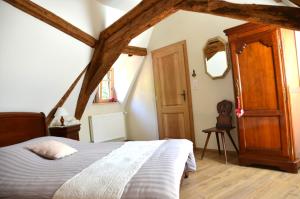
x,y
115,39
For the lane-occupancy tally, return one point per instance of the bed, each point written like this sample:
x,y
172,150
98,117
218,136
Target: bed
x,y
23,174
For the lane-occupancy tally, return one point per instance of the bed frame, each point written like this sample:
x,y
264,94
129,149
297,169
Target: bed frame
x,y
19,127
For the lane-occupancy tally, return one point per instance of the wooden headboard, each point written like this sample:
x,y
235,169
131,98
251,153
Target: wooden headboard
x,y
20,127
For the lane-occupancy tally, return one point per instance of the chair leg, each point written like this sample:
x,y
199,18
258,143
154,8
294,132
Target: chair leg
x,y
206,142
218,142
224,146
232,141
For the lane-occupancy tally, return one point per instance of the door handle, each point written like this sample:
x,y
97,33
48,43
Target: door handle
x,y
183,94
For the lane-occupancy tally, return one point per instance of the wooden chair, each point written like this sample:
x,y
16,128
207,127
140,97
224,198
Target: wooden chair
x,y
223,126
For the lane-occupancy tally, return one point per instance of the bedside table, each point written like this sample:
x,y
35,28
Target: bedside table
x,y
71,132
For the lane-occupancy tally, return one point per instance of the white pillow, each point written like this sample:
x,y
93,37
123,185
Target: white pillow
x,y
52,149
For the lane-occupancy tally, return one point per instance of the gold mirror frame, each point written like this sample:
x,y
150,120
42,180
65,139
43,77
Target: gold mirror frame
x,y
209,52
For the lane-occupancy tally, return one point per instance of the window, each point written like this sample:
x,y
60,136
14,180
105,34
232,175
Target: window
x,y
106,90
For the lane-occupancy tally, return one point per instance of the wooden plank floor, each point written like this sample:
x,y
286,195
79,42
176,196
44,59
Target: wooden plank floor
x,y
215,180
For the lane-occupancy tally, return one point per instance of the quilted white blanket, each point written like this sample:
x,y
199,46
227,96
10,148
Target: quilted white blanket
x,y
107,177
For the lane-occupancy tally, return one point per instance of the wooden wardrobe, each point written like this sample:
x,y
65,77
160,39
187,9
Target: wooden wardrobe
x,y
266,79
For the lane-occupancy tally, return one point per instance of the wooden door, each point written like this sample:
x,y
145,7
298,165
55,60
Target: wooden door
x,y
259,81
172,88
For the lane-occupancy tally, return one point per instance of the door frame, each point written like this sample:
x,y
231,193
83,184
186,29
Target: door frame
x,y
188,84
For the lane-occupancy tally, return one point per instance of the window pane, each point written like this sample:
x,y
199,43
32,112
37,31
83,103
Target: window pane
x,y
105,90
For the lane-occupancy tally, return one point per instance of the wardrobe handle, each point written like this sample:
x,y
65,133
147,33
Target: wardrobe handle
x,y
239,109
239,91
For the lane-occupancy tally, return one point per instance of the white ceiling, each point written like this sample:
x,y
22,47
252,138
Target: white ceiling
x,y
124,5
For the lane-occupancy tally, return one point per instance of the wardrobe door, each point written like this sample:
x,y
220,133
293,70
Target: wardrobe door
x,y
260,85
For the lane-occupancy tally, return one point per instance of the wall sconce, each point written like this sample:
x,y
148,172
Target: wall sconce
x,y
194,74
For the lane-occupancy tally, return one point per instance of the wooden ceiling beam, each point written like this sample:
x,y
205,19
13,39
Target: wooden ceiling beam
x,y
57,22
286,17
129,16
132,50
116,37
50,18
61,102
296,2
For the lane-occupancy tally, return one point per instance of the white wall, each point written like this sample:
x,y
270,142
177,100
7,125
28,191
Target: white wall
x,y
125,73
126,70
141,107
38,62
196,29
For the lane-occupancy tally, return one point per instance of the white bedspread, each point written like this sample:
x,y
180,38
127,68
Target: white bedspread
x,y
107,177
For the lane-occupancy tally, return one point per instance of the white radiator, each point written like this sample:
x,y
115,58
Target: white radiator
x,y
106,127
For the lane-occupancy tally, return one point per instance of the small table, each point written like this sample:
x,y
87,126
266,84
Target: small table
x,y
71,132
222,132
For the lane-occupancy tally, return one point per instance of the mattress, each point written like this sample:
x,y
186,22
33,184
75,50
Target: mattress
x,y
23,174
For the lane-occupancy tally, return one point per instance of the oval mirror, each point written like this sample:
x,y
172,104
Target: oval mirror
x,y
216,64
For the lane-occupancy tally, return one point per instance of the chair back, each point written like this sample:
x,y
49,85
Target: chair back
x,y
224,120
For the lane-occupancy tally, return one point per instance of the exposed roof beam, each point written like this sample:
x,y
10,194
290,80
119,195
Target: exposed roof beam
x,y
61,102
289,2
129,16
116,37
53,20
50,18
287,17
132,50
297,2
